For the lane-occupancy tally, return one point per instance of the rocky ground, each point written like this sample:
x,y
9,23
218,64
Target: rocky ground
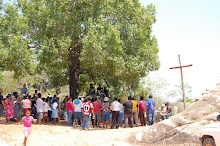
x,y
185,127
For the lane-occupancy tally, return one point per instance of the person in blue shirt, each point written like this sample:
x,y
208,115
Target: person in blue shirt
x,y
150,110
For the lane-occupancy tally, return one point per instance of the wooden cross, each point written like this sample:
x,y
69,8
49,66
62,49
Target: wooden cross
x,y
181,71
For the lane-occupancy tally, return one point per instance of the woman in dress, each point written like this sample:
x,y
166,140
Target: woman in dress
x,y
8,108
18,108
54,111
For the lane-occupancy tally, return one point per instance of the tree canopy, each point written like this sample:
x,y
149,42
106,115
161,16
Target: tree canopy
x,y
79,41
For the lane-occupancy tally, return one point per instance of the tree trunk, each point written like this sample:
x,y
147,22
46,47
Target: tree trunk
x,y
74,72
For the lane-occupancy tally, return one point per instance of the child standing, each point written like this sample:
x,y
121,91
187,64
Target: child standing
x,y
27,125
45,114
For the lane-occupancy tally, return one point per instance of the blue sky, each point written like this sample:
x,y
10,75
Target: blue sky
x,y
189,28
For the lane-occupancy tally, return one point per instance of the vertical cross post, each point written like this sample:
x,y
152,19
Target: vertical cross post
x,y
181,72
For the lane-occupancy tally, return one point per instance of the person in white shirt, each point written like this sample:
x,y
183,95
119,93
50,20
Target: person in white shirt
x,y
163,110
115,107
40,108
45,111
77,104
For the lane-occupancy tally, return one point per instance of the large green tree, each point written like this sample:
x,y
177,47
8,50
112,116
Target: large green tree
x,y
74,40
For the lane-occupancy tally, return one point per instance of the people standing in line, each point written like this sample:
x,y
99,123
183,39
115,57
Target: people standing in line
x,y
128,115
18,107
8,108
97,111
45,110
69,110
40,108
168,111
135,111
26,104
142,111
106,112
121,112
150,110
77,104
2,105
50,108
54,115
27,119
87,108
115,107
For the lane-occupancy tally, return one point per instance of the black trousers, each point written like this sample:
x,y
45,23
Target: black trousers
x,y
49,116
115,119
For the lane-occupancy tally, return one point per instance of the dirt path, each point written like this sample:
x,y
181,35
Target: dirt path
x,y
60,135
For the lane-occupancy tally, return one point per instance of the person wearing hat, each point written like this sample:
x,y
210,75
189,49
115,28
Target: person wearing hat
x,y
168,111
106,112
2,105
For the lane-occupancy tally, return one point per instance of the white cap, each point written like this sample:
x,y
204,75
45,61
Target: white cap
x,y
163,105
106,99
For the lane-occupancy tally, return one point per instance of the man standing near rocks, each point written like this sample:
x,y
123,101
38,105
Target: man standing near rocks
x,y
135,111
150,110
115,107
128,115
142,110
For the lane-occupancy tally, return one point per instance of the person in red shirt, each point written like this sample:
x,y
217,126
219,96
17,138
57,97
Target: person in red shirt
x,y
142,111
97,111
87,107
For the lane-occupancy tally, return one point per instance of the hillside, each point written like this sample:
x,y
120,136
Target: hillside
x,y
185,127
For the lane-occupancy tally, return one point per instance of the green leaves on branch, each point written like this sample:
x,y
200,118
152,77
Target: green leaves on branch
x,y
102,40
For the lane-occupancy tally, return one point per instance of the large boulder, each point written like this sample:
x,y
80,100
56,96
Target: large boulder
x,y
185,127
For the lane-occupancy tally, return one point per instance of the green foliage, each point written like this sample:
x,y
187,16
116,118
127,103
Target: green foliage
x,y
178,93
106,41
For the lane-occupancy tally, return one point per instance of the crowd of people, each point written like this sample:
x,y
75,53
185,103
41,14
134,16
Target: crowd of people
x,y
81,111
